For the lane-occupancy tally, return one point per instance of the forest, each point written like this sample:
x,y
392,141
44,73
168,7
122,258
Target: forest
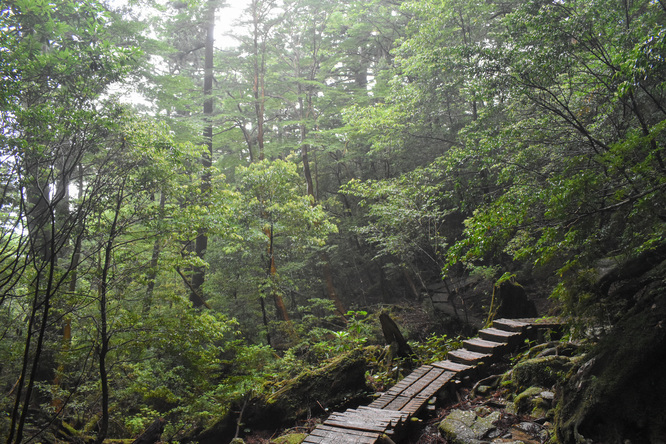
x,y
195,213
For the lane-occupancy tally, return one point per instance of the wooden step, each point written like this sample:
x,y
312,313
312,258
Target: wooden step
x,y
327,434
483,346
452,366
497,335
463,356
510,324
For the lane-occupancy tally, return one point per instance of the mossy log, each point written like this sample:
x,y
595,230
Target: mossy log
x,y
153,433
339,384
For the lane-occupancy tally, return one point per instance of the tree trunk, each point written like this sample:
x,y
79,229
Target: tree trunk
x,y
258,86
201,244
154,260
392,335
280,306
103,324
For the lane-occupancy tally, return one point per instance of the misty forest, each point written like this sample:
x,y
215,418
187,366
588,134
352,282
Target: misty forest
x,y
224,221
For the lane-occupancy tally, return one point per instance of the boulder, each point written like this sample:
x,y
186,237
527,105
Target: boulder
x,y
514,302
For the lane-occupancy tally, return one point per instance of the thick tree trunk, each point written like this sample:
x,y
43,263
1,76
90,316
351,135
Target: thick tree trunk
x,y
201,244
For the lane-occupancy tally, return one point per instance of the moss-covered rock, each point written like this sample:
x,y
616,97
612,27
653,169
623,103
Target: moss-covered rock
x,y
535,401
467,427
543,372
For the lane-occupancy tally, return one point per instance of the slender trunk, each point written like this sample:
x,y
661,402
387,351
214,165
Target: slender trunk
x,y
258,87
45,304
265,319
280,306
328,274
154,260
104,334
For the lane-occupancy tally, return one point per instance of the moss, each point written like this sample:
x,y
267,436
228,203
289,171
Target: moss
x,y
336,383
292,438
523,400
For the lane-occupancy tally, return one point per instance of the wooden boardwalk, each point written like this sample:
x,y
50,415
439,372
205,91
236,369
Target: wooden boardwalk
x,y
388,413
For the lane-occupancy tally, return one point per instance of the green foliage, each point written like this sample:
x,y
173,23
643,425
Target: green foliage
x,y
435,348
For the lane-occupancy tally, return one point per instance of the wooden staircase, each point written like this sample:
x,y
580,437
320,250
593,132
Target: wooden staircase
x,y
391,411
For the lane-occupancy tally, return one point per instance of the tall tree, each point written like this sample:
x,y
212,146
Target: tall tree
x,y
201,242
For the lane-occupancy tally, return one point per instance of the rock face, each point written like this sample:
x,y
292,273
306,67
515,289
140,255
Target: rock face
x,y
618,394
514,302
467,427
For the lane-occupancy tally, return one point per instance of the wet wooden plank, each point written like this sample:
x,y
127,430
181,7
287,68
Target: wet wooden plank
x,y
409,380
437,385
414,405
550,322
357,424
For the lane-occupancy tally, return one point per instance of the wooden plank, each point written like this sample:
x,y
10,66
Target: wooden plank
x,y
551,322
452,366
409,380
483,346
422,383
414,405
463,356
398,403
382,401
437,385
367,419
365,426
332,435
497,335
395,415
510,324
